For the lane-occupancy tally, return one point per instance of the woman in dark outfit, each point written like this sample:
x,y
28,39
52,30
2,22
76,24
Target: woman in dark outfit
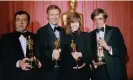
x,y
76,70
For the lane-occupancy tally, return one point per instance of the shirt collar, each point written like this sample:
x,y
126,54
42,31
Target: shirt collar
x,y
104,27
53,26
21,32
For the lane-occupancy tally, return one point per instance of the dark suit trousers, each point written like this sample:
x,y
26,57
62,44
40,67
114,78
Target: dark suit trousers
x,y
100,73
51,74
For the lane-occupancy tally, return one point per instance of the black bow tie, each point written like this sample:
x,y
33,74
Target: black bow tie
x,y
102,29
57,28
25,34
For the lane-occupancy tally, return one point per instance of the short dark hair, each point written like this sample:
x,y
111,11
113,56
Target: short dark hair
x,y
53,7
98,11
20,13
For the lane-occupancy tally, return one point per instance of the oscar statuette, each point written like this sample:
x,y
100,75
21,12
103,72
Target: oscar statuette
x,y
57,47
33,61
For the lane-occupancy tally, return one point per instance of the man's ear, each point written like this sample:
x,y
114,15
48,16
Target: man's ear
x,y
104,20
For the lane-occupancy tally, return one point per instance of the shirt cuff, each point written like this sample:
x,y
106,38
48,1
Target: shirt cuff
x,y
95,66
17,64
52,56
110,51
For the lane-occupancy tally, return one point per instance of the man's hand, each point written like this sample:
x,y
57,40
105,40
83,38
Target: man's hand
x,y
24,65
102,42
76,55
97,63
38,62
56,54
80,67
90,67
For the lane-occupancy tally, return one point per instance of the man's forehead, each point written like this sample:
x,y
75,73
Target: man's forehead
x,y
21,15
99,15
53,11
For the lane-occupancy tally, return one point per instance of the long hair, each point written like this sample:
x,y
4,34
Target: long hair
x,y
71,18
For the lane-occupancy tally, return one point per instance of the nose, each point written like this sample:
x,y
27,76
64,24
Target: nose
x,y
21,21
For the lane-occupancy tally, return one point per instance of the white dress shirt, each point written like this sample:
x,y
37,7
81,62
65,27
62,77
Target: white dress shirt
x,y
57,34
23,43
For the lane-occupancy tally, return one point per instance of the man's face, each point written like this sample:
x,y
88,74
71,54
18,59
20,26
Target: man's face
x,y
53,16
21,22
99,20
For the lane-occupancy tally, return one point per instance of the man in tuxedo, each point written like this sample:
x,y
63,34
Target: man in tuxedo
x,y
50,56
14,50
113,53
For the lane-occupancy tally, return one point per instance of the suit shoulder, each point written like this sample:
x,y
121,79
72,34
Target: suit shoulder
x,y
6,36
31,33
115,30
43,28
84,33
113,27
92,32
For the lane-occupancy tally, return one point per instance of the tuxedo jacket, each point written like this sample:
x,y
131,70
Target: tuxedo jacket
x,y
11,52
46,38
115,66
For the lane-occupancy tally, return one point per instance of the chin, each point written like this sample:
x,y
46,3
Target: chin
x,y
99,27
54,22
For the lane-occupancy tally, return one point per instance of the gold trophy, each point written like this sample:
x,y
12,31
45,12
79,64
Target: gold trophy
x,y
100,57
57,43
57,46
33,61
73,46
72,6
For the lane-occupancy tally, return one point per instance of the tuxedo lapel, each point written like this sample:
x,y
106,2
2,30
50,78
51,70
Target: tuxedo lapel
x,y
61,36
94,42
51,32
17,45
108,32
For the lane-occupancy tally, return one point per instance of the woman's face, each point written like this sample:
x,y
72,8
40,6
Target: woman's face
x,y
74,26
